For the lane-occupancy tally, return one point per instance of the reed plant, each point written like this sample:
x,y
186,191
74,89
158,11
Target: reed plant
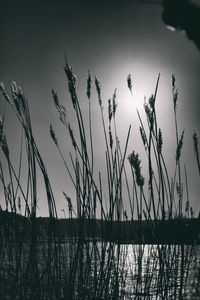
x,y
35,263
166,195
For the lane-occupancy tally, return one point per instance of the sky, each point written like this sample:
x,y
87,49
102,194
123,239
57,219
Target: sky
x,y
111,39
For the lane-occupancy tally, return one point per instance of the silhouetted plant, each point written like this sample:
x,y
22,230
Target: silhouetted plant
x,y
42,263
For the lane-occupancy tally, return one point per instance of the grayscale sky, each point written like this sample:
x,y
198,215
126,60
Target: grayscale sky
x,y
111,39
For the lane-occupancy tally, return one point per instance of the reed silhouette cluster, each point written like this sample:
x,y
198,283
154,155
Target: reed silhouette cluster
x,y
35,261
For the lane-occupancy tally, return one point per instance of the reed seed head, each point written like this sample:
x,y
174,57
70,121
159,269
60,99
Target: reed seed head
x,y
55,98
129,82
2,87
98,89
3,141
63,114
114,102
17,90
174,91
175,97
19,203
14,87
152,101
52,134
195,139
72,136
178,190
179,147
135,163
18,98
173,81
143,136
69,202
149,113
71,83
110,110
110,137
6,96
125,215
60,108
89,85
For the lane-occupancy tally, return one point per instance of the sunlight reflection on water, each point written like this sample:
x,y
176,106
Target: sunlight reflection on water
x,y
134,271
157,271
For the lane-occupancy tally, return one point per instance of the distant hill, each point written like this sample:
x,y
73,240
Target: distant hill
x,y
176,231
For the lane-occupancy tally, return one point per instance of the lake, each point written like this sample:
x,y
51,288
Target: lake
x,y
99,270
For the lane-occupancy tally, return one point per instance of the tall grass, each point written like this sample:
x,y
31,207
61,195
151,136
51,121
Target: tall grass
x,y
36,264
